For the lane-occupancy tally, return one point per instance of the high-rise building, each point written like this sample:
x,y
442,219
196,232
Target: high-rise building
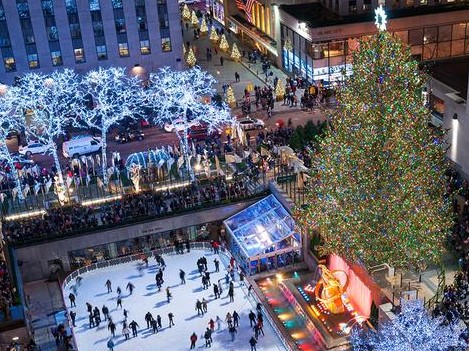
x,y
44,35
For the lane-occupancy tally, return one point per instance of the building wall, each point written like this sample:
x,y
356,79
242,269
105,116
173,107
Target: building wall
x,y
35,259
417,33
156,59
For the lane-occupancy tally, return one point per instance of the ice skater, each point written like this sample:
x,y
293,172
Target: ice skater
x,y
233,332
235,319
133,325
171,319
71,296
119,302
126,332
105,311
112,328
108,286
182,275
168,294
148,318
193,339
130,287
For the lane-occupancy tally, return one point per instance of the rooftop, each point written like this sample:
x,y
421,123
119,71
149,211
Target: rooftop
x,y
315,15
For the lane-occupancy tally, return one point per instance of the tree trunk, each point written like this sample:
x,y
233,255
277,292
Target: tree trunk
x,y
104,157
184,142
14,172
59,185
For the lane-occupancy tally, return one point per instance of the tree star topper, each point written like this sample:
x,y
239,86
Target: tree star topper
x,y
380,18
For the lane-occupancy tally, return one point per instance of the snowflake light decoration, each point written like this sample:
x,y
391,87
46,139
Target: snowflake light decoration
x,y
380,18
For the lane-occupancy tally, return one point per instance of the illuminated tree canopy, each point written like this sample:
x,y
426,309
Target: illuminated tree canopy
x,y
378,193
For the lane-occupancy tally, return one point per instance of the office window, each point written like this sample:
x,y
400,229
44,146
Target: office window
x,y
94,5
101,51
123,49
116,4
75,30
120,25
145,47
56,58
352,6
79,55
166,44
9,63
366,5
444,33
23,9
459,31
33,61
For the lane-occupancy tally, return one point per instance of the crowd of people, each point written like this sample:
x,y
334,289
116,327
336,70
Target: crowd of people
x,y
59,221
6,287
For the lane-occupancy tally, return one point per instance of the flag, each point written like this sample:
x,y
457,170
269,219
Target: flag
x,y
26,190
248,9
88,179
14,192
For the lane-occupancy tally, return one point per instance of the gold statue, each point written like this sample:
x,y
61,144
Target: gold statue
x,y
329,289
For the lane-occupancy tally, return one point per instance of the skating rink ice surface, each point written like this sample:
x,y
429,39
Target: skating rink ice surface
x,y
147,298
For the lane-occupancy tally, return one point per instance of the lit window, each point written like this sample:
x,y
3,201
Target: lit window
x,y
79,55
101,52
33,61
145,47
10,64
166,44
56,58
123,49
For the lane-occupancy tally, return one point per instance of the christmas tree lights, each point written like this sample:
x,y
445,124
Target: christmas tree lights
x,y
230,98
280,90
224,46
413,329
235,55
379,189
213,35
203,27
191,59
186,13
194,20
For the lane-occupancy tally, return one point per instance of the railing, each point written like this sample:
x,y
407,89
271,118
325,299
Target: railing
x,y
433,301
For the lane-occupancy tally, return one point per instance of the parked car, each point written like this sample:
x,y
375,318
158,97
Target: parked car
x,y
178,125
188,2
248,123
81,146
201,133
33,147
124,136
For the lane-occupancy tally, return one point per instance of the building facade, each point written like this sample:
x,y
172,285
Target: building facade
x,y
43,35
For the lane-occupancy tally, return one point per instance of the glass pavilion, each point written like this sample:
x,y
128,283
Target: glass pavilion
x,y
263,236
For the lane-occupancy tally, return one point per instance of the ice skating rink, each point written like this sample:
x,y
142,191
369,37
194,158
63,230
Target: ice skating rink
x,y
147,298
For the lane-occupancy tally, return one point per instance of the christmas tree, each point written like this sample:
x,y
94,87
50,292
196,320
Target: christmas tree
x,y
186,13
191,59
213,35
194,20
230,98
224,46
379,190
203,27
280,90
235,55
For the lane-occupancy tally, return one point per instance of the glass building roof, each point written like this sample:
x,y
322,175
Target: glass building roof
x,y
260,226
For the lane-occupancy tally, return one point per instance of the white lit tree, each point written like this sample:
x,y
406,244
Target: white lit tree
x,y
413,329
54,100
116,96
10,120
186,96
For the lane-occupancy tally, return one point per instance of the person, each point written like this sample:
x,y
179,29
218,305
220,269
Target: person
x,y
72,317
218,320
182,275
235,319
215,291
231,294
204,305
126,314
198,307
105,311
233,332
249,290
158,321
260,326
211,324
130,287
217,265
119,291
221,60
253,343
119,302
126,332
168,294
91,320
72,300
171,319
133,325
148,318
237,76
112,328
108,286
193,339
256,330
89,308
208,337
154,325
252,318
110,344
229,319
